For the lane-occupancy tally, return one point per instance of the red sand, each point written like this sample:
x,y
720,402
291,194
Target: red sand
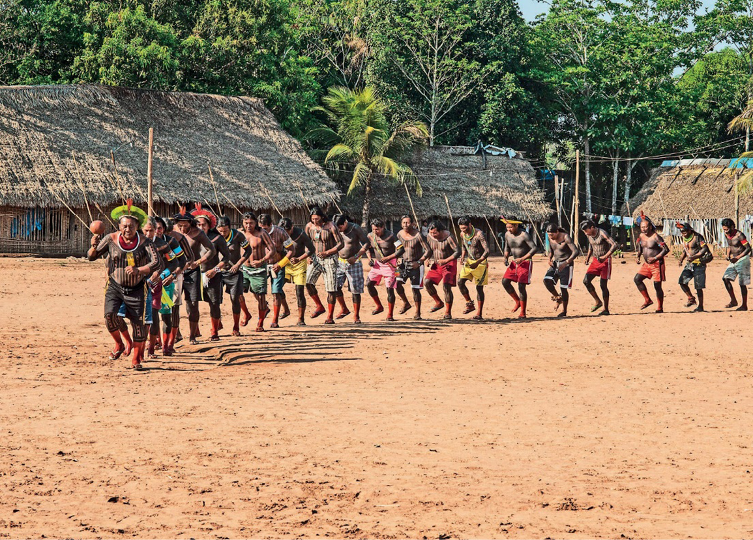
x,y
634,425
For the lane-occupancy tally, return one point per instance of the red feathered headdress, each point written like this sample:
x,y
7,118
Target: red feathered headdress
x,y
199,212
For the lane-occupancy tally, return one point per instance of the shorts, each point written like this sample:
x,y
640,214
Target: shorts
x,y
520,273
696,272
353,273
383,271
255,280
601,269
479,275
192,286
415,275
170,291
177,297
296,272
276,283
654,270
740,268
135,301
212,290
562,275
233,283
447,274
328,267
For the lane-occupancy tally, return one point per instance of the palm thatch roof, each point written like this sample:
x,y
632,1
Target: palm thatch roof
x,y
696,191
56,141
475,185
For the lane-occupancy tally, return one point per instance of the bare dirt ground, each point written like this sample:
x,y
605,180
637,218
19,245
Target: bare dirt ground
x,y
635,425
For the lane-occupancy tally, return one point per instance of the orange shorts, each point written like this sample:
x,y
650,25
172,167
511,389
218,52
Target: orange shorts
x,y
654,270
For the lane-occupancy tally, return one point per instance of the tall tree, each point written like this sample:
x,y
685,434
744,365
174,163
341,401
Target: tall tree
x,y
360,132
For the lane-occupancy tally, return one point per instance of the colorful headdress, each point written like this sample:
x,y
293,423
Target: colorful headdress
x,y
644,217
184,215
199,212
128,210
504,220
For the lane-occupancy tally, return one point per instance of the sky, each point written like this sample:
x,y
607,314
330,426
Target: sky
x,y
532,8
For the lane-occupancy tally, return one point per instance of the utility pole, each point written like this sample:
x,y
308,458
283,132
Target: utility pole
x,y
576,214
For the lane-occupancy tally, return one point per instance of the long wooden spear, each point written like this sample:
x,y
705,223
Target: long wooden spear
x,y
214,187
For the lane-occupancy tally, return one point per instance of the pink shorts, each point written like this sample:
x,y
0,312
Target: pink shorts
x,y
383,271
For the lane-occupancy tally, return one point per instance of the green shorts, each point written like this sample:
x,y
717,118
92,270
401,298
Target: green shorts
x,y
255,280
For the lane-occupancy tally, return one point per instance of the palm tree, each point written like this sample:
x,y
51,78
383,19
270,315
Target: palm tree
x,y
742,123
359,132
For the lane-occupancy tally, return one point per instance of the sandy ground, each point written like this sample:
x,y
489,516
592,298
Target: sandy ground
x,y
635,425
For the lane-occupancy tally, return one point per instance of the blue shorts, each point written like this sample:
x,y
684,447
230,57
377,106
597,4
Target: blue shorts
x,y
277,283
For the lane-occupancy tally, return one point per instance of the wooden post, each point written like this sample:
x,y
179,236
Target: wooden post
x,y
557,197
737,200
577,198
150,181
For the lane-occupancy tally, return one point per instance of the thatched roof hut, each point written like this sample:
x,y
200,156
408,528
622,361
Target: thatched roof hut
x,y
59,142
476,185
703,193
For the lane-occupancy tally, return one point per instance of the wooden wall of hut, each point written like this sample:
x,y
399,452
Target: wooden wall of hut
x,y
56,232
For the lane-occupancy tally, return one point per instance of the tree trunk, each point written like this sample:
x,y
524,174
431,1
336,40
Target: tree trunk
x,y
366,202
615,176
628,179
587,151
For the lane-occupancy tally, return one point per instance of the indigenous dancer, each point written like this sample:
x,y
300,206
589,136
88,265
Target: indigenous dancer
x,y
653,249
519,244
328,243
410,266
186,247
444,253
295,262
350,268
255,268
192,286
475,265
562,254
132,257
384,251
276,277
738,255
232,277
698,255
158,282
176,258
600,246
212,269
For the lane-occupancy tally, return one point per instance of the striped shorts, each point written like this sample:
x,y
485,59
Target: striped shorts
x,y
328,267
353,273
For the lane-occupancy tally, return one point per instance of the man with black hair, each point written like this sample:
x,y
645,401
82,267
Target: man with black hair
x,y
600,246
328,243
350,267
255,268
383,252
211,270
738,255
202,250
653,249
276,278
232,276
697,253
410,267
562,254
443,252
295,262
475,266
519,245
177,257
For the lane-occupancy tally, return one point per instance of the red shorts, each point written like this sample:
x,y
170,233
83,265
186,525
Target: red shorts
x,y
446,274
601,269
654,270
520,273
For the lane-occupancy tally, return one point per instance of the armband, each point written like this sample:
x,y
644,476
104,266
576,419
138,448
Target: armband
x,y
284,262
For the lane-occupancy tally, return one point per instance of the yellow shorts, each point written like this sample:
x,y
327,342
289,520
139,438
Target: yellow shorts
x,y
296,273
479,275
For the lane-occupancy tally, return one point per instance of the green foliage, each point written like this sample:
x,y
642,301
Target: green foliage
x,y
358,127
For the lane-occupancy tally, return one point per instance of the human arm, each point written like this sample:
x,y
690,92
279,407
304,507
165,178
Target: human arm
x,y
574,251
589,253
612,247
485,253
269,246
531,252
99,246
339,243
